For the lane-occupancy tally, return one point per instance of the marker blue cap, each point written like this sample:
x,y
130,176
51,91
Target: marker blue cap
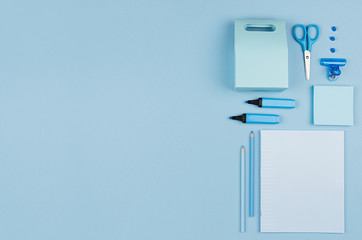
x,y
262,118
273,102
257,118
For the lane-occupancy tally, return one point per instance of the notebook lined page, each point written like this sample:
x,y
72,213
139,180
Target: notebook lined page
x,y
267,173
302,181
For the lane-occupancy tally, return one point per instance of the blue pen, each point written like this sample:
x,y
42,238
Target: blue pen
x,y
273,102
251,180
257,118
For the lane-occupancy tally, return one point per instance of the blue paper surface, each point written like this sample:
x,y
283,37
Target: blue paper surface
x,y
114,116
333,105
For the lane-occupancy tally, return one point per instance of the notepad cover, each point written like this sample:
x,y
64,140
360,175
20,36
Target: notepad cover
x,y
302,181
333,105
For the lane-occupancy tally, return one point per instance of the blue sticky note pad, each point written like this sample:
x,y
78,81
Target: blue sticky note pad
x,y
332,105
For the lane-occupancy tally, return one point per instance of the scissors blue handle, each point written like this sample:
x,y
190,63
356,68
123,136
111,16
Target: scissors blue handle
x,y
306,42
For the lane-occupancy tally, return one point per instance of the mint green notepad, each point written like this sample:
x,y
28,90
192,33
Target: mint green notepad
x,y
332,105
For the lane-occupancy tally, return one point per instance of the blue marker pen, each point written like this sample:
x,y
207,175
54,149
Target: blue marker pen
x,y
273,102
257,118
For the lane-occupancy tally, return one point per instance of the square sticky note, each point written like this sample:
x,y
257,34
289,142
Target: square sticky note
x,y
332,105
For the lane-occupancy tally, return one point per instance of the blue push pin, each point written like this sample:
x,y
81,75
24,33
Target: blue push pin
x,y
333,65
332,39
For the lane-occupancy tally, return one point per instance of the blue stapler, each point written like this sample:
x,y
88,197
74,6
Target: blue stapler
x,y
333,65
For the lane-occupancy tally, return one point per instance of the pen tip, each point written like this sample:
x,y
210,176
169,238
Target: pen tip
x,y
230,117
246,101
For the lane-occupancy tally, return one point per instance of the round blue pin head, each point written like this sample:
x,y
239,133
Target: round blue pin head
x,y
332,38
334,28
333,50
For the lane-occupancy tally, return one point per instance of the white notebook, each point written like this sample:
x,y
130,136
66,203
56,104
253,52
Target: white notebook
x,y
302,181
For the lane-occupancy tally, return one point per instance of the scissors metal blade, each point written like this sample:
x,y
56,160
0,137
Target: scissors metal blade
x,y
307,64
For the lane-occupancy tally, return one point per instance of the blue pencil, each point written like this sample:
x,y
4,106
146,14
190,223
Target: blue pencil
x,y
251,187
242,191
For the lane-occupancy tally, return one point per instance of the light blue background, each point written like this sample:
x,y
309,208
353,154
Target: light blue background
x,y
114,116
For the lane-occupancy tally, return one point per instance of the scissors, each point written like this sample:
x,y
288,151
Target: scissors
x,y
306,43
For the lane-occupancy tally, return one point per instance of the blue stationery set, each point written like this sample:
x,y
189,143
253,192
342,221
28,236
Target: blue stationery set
x,y
261,64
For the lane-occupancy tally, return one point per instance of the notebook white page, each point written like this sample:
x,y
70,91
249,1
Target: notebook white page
x,y
302,181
